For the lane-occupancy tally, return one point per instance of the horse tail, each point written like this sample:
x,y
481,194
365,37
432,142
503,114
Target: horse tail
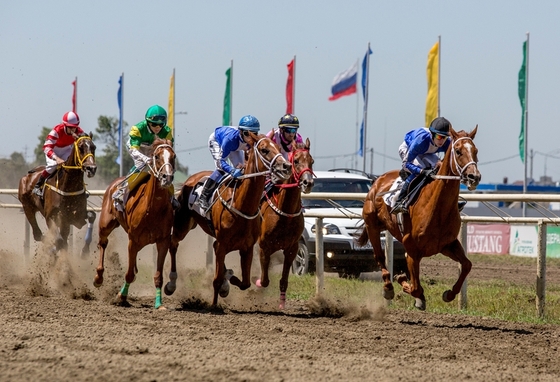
x,y
363,239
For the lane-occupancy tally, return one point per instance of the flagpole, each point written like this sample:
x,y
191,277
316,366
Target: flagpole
x,y
76,90
294,88
526,117
121,164
365,107
173,106
439,75
357,127
231,94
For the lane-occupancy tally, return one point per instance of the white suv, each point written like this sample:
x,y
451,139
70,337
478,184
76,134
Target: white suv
x,y
342,254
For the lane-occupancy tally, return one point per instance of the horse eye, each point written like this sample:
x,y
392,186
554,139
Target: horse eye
x,y
458,152
265,151
296,162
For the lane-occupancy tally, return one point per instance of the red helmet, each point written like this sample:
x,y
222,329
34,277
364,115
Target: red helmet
x,y
71,119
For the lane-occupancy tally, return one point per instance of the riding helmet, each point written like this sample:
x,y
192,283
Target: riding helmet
x,y
440,126
288,120
249,122
156,115
71,119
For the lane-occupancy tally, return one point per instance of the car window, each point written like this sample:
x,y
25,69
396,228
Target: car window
x,y
338,185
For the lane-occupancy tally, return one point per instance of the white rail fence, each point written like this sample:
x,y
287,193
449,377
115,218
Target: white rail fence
x,y
541,222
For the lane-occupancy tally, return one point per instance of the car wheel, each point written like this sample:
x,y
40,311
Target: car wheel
x,y
300,266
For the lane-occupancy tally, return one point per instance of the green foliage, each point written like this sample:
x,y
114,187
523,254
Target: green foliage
x,y
107,132
39,153
12,170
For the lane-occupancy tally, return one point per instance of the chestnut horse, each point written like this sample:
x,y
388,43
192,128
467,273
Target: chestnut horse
x,y
282,223
433,222
64,201
147,218
235,219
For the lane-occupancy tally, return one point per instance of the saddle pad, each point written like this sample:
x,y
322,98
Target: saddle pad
x,y
390,197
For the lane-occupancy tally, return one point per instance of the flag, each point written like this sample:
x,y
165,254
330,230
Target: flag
x,y
226,119
171,105
120,103
344,83
522,86
365,81
290,87
432,72
74,93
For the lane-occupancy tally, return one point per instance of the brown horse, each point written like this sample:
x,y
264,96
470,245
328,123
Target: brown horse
x,y
64,201
283,222
147,218
433,222
235,220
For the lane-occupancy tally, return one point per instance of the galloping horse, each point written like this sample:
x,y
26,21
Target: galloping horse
x,y
433,222
64,201
283,222
147,218
235,217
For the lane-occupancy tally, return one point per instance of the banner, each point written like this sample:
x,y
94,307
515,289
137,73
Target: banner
x,y
290,88
488,238
171,105
226,118
365,92
74,95
522,77
120,103
432,72
344,83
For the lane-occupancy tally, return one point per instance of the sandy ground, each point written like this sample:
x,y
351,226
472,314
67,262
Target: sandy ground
x,y
55,326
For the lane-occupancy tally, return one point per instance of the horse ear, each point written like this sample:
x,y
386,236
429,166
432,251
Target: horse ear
x,y
91,135
307,143
473,133
452,131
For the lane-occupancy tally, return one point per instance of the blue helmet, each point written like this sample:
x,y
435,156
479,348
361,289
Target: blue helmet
x,y
248,122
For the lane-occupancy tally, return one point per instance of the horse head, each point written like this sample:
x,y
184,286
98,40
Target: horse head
x,y
84,154
163,161
464,157
302,166
267,157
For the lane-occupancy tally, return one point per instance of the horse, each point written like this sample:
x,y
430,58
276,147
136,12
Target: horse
x,y
234,217
64,201
147,218
433,222
282,223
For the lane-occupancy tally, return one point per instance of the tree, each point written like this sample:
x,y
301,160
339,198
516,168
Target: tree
x,y
108,132
39,153
12,170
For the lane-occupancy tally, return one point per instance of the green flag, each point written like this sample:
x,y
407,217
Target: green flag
x,y
226,120
522,95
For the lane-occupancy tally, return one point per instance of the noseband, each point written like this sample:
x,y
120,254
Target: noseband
x,y
157,172
297,175
455,167
77,158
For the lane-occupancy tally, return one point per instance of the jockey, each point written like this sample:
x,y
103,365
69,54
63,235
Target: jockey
x,y
58,146
140,139
227,142
419,154
286,133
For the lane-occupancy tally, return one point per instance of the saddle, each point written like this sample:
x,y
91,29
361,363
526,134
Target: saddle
x,y
413,191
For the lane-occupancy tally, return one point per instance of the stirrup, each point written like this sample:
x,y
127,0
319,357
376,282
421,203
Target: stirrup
x,y
399,208
38,191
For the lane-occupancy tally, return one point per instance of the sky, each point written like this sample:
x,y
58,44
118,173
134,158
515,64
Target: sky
x,y
46,45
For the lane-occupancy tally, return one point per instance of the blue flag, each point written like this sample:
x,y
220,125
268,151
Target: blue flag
x,y
119,101
365,74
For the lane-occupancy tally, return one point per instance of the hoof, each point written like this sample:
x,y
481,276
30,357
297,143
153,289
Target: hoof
x,y
448,296
169,289
258,283
161,308
97,281
224,290
388,294
420,304
282,305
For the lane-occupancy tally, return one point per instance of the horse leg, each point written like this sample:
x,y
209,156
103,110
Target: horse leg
x,y
131,271
264,256
62,240
171,285
413,288
30,214
162,247
219,274
456,252
246,261
106,225
87,240
289,257
379,256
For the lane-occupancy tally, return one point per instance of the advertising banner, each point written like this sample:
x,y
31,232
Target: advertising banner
x,y
552,241
490,239
523,240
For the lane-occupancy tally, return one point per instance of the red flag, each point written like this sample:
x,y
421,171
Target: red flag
x,y
290,88
75,84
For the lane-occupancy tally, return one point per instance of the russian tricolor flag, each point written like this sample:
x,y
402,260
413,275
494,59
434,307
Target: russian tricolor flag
x,y
344,83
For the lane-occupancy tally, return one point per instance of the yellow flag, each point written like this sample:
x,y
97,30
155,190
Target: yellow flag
x,y
433,84
171,107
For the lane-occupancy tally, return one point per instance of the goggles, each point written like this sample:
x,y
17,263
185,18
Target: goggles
x,y
439,136
155,124
290,130
158,118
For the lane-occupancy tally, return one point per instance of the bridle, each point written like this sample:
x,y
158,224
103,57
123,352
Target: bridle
x,y
455,167
77,157
297,175
158,172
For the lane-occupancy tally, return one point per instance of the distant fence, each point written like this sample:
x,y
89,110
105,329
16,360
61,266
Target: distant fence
x,y
541,222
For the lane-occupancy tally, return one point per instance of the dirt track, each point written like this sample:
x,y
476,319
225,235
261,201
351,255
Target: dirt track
x,y
56,326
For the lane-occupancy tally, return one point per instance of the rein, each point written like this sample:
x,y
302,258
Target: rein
x,y
157,172
297,175
77,158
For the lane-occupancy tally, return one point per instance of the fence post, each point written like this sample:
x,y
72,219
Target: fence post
x,y
319,256
541,267
389,253
462,301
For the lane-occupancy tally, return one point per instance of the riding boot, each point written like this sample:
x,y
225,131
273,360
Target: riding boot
x,y
117,197
462,204
175,203
207,191
400,203
38,189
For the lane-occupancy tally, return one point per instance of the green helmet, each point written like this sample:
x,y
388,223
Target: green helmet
x,y
156,115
